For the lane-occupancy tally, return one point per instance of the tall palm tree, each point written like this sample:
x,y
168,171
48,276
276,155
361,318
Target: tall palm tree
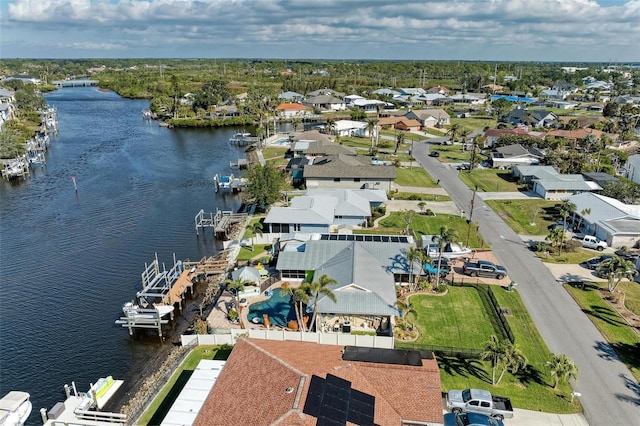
x,y
445,236
584,212
320,287
454,131
493,349
512,359
405,309
255,228
399,141
556,237
295,122
566,208
412,255
372,125
617,268
299,298
562,368
330,126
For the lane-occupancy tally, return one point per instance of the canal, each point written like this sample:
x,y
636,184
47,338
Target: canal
x,y
69,260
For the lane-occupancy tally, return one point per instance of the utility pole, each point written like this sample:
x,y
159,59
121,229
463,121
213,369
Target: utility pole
x,y
473,203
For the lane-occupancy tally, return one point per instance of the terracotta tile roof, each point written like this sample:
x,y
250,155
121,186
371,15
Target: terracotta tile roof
x,y
291,107
251,388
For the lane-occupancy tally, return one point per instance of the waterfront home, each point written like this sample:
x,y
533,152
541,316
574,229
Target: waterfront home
x,y
468,98
325,103
371,105
303,383
430,117
320,148
608,219
348,172
366,269
290,96
291,110
514,155
352,128
324,210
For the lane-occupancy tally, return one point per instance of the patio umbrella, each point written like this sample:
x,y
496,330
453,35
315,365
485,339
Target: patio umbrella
x,y
246,273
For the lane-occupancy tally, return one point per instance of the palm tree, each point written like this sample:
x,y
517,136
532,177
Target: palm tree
x,y
412,255
566,208
405,309
445,236
493,349
512,359
617,268
562,368
299,298
255,228
556,237
330,126
454,131
399,140
372,125
318,288
584,212
295,122
237,286
464,133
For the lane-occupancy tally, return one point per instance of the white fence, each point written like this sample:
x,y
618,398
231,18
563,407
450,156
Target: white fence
x,y
339,339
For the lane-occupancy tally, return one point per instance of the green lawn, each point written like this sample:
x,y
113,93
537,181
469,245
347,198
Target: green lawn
x,y
362,143
574,257
254,219
624,340
520,214
415,176
632,296
489,180
160,406
246,253
452,153
457,319
430,225
474,123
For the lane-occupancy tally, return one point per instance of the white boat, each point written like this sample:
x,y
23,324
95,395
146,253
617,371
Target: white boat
x,y
131,310
451,250
15,408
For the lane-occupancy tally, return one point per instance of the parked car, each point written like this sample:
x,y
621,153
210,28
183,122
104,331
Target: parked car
x,y
434,154
470,419
595,262
592,242
479,401
628,254
484,268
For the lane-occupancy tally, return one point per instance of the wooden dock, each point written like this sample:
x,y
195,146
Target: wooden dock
x,y
221,221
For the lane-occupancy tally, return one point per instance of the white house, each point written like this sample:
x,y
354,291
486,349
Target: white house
x,y
291,110
632,168
352,128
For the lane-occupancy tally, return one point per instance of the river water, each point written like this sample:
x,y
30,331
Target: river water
x,y
69,260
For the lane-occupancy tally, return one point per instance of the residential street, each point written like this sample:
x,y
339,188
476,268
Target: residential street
x,y
610,394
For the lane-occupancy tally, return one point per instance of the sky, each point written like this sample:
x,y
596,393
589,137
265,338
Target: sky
x,y
490,30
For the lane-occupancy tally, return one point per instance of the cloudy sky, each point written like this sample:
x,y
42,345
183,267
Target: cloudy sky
x,y
505,30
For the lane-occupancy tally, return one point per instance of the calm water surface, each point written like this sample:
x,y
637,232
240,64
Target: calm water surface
x,y
69,261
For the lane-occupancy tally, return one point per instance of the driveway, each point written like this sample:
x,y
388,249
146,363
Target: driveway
x,y
610,394
571,273
536,418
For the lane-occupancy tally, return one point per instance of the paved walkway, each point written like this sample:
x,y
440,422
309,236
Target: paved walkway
x,y
515,195
536,418
419,189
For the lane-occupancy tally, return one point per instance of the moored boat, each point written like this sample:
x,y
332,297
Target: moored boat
x,y
15,408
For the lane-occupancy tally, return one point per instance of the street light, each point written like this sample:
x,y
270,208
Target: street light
x,y
574,394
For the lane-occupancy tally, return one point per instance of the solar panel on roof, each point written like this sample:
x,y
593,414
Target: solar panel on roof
x,y
361,237
382,356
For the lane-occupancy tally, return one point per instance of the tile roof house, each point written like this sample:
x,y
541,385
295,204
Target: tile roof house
x,y
291,96
266,382
325,103
348,172
514,155
609,219
551,185
288,110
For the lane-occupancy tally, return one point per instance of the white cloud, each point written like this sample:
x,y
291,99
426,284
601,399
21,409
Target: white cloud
x,y
311,25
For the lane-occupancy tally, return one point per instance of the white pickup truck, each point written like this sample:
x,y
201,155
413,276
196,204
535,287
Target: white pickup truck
x,y
589,241
479,401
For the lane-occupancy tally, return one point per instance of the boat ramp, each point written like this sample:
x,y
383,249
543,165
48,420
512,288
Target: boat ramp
x,y
221,221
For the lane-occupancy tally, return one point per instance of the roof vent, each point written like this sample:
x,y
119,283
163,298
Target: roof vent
x,y
289,390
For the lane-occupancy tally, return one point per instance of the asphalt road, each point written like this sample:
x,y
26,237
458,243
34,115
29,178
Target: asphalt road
x,y
610,394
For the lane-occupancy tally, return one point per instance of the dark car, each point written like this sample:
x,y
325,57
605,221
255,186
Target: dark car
x,y
627,254
470,419
434,154
595,262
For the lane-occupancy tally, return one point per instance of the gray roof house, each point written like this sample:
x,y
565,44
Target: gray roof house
x,y
538,117
632,168
551,185
366,268
325,103
609,219
324,210
321,148
291,96
430,117
514,155
348,172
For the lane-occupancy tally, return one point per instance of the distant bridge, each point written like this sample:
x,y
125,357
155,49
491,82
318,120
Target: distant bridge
x,y
83,82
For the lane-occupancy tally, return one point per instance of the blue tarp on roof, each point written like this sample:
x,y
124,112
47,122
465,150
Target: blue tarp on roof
x,y
512,98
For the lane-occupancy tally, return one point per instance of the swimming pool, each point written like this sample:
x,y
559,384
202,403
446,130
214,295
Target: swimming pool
x,y
278,307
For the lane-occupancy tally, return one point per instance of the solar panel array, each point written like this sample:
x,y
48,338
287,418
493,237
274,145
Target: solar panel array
x,y
364,237
333,402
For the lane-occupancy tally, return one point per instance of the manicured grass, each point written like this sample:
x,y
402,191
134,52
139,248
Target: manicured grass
x,y
434,132
519,214
453,153
362,143
574,257
246,253
632,296
271,152
624,340
415,176
160,406
457,319
471,123
422,197
430,225
489,180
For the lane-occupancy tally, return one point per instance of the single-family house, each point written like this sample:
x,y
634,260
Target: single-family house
x,y
551,185
514,155
438,89
430,117
566,87
432,99
386,92
320,148
492,88
632,168
352,128
371,105
7,96
349,99
574,136
326,92
291,110
411,91
325,103
608,219
290,96
227,111
601,178
305,383
553,94
348,172
533,118
323,210
468,98
25,78
492,135
563,104
310,135
407,124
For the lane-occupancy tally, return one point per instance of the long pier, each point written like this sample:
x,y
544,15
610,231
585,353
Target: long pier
x,y
221,221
